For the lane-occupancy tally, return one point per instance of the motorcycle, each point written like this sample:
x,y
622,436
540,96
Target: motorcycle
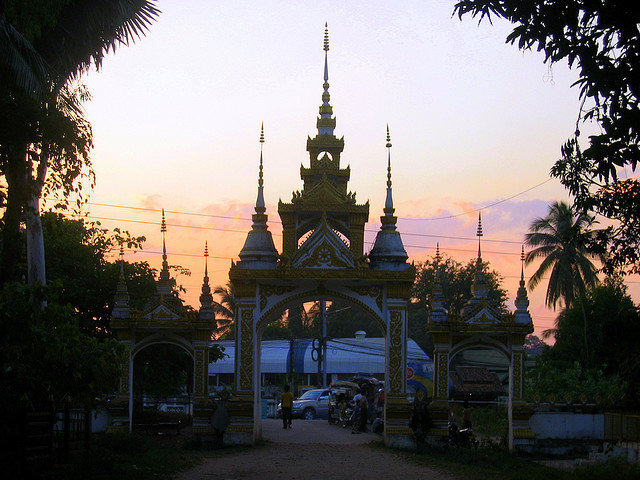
x,y
347,416
461,437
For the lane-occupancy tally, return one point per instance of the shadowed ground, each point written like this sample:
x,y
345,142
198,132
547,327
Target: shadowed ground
x,y
312,449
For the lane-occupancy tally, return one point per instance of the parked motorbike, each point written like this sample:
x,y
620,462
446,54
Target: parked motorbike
x,y
461,437
348,415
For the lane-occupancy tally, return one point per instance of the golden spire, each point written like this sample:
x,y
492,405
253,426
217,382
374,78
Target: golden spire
x,y
438,258
260,205
325,123
389,158
388,204
163,230
479,234
206,299
522,264
164,282
206,260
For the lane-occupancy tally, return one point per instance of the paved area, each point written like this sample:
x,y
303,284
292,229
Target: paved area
x,y
309,432
312,449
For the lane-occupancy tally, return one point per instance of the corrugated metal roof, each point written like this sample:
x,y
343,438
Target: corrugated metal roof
x,y
344,355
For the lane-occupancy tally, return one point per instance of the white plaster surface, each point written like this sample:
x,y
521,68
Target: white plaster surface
x,y
567,425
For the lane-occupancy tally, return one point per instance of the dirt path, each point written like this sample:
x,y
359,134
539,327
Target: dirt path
x,y
312,450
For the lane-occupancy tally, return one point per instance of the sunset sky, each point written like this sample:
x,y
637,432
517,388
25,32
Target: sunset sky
x,y
473,121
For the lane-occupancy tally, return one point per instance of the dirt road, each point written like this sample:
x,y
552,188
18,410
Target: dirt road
x,y
312,449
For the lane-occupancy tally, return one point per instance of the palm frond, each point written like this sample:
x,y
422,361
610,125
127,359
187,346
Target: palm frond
x,y
21,66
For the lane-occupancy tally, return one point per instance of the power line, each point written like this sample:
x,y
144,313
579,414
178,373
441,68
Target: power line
x,y
481,208
276,221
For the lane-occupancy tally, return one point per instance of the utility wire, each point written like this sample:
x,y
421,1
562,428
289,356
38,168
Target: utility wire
x,y
276,221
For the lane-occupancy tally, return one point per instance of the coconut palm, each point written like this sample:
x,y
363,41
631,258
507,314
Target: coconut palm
x,y
559,239
224,309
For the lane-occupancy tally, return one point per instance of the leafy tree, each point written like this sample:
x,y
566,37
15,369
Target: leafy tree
x,y
46,358
79,271
551,379
613,322
45,140
343,321
456,280
162,371
602,41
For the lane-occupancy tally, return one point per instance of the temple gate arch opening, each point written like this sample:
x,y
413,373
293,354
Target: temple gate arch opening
x,y
322,257
479,325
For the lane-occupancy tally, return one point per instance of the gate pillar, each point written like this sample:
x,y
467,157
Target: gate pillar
x,y
243,405
397,410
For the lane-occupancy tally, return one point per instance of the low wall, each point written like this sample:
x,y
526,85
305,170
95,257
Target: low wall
x,y
567,425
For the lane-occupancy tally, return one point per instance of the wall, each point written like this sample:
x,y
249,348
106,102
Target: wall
x,y
567,425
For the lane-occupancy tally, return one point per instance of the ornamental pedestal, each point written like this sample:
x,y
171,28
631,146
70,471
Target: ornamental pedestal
x,y
397,433
241,420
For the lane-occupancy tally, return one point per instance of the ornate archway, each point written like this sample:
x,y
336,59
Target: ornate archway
x,y
163,320
322,258
481,325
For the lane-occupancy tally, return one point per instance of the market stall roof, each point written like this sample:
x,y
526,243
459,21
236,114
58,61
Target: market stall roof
x,y
344,355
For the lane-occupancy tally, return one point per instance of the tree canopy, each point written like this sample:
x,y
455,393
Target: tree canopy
x,y
601,40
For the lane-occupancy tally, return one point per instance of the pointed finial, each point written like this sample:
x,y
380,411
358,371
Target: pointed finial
x,y
326,36
260,205
388,158
164,281
479,233
206,256
522,264
121,260
438,258
163,230
206,300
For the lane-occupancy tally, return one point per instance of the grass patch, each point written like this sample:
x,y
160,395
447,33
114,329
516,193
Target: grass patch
x,y
132,457
499,464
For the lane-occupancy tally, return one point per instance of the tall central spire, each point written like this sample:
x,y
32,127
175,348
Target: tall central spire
x,y
388,204
326,124
260,206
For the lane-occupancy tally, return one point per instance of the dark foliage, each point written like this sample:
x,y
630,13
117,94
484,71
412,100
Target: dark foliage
x,y
601,40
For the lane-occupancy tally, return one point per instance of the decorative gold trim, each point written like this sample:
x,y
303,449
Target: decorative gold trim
x,y
399,431
240,428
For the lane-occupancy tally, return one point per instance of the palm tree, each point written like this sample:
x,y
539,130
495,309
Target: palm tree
x,y
560,240
224,309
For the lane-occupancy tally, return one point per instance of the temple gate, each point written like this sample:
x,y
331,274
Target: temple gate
x,y
322,258
481,325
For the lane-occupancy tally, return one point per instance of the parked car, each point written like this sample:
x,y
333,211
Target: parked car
x,y
311,404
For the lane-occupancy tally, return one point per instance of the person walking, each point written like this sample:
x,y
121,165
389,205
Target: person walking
x,y
286,401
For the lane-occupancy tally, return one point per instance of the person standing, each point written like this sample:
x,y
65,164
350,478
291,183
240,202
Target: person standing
x,y
286,401
466,414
